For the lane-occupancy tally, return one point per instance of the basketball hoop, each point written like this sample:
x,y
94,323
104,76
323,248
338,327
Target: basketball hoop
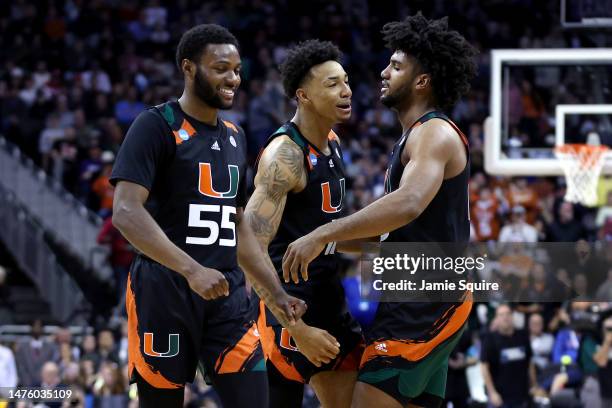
x,y
582,165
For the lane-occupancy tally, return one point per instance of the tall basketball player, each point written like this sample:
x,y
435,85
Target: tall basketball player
x,y
299,186
407,346
180,177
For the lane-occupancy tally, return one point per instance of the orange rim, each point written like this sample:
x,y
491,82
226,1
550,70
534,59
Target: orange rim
x,y
586,155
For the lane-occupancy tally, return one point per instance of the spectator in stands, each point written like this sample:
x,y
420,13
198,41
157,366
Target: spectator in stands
x,y
50,379
89,351
566,350
127,109
565,228
102,187
90,167
48,137
603,359
85,133
96,79
541,342
540,289
32,353
8,369
106,346
262,121
508,371
485,218
586,262
521,194
72,375
110,389
518,230
63,338
580,286
64,159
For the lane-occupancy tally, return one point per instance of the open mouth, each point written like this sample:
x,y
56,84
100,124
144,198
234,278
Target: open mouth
x,y
346,107
227,93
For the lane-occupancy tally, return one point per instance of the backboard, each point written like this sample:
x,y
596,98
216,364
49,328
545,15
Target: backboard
x,y
542,98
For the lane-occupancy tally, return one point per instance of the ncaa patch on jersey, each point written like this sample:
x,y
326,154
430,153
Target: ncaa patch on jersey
x,y
313,159
232,140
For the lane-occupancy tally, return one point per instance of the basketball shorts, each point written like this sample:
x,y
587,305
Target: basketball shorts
x,y
171,328
411,370
282,352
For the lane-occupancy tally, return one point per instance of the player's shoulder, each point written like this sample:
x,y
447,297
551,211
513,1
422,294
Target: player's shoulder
x,y
148,123
283,148
435,134
149,116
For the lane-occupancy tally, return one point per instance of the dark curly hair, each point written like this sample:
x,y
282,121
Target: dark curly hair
x,y
194,41
443,53
301,58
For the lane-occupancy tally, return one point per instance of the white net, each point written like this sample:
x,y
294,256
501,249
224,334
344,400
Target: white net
x,y
582,165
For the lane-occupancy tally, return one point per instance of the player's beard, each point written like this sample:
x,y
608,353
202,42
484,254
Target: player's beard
x,y
400,97
208,94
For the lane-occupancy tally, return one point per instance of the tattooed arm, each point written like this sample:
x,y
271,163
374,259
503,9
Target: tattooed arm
x,y
281,170
287,309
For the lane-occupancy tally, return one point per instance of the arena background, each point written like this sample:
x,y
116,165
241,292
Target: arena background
x,y
74,74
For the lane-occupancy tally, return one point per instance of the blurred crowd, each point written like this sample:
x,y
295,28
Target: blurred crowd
x,y
92,366
557,355
74,74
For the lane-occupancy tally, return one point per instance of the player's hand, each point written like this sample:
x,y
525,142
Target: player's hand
x,y
298,255
496,399
208,283
316,344
292,307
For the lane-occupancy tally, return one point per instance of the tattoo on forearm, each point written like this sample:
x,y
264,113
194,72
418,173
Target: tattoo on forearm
x,y
270,303
265,208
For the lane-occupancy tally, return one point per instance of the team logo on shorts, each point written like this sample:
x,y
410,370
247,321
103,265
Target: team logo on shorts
x,y
326,205
286,341
206,182
173,346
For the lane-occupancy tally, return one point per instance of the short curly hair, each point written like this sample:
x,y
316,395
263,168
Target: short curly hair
x,y
443,53
296,67
194,41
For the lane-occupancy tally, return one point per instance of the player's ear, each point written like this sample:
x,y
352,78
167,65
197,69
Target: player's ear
x,y
302,96
423,81
189,68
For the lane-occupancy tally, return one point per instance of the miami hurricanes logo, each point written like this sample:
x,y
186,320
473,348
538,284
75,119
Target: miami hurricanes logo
x,y
173,346
326,205
285,341
206,182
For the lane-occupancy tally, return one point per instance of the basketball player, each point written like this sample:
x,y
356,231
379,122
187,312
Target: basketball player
x,y
180,192
300,185
408,344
